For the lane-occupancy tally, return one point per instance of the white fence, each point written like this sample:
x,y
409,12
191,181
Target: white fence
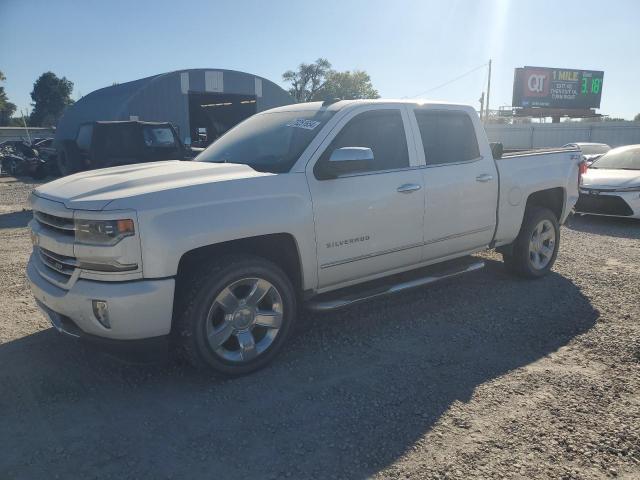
x,y
540,135
20,133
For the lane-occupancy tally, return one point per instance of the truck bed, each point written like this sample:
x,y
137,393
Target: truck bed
x,y
535,151
527,171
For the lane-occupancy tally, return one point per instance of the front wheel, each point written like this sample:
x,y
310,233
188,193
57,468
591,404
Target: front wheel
x,y
238,313
10,167
68,159
534,251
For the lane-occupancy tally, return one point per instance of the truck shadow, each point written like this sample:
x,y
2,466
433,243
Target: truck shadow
x,y
15,219
352,394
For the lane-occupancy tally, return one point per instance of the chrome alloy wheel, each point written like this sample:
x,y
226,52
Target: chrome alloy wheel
x,y
244,319
542,244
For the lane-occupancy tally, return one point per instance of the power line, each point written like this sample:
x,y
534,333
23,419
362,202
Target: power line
x,y
452,80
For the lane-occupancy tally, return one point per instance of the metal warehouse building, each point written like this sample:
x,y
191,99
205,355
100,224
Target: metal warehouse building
x,y
195,101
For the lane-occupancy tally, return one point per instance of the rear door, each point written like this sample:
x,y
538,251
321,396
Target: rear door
x,y
461,184
371,221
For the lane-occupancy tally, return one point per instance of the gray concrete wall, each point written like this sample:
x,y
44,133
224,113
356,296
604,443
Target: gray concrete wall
x,y
20,133
539,135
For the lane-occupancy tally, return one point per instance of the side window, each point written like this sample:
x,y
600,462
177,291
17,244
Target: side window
x,y
84,137
382,131
447,137
120,141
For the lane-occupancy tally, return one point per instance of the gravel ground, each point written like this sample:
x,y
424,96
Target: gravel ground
x,y
484,376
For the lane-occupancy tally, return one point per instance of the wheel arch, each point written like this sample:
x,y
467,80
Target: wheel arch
x,y
279,248
552,198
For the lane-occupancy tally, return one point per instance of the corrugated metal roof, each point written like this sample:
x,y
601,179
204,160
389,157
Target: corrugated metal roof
x,y
161,98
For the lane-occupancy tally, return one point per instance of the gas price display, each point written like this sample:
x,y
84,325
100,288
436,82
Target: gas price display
x,y
557,88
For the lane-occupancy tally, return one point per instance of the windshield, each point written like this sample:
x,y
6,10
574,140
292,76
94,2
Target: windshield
x,y
268,142
624,158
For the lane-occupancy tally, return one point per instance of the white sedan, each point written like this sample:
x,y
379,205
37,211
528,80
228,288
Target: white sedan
x,y
590,151
611,185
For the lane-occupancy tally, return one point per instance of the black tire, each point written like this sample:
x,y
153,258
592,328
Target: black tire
x,y
39,172
519,259
199,297
52,166
10,167
68,159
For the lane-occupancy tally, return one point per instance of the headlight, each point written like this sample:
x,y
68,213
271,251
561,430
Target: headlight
x,y
103,232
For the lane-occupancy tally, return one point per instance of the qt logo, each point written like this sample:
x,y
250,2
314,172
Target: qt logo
x,y
537,84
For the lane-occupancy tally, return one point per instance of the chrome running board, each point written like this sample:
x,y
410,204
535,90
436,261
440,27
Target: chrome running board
x,y
333,300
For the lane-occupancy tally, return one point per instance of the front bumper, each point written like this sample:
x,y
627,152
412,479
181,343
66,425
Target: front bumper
x,y
137,309
145,350
613,204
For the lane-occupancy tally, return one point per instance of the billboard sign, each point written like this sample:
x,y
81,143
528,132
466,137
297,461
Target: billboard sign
x,y
557,88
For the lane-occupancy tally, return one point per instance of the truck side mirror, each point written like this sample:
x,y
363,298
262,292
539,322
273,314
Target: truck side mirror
x,y
497,149
345,160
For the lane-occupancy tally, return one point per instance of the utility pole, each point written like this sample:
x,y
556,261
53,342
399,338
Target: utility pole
x,y
481,100
486,110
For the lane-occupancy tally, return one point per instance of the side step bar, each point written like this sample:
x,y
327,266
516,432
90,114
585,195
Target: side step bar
x,y
323,303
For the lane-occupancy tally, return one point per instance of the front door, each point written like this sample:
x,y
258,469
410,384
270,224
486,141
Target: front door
x,y
370,221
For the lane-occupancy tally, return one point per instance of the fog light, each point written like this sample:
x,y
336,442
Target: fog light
x,y
101,312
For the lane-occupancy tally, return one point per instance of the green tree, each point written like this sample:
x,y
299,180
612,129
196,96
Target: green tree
x,y
7,108
347,86
637,118
50,95
308,79
18,122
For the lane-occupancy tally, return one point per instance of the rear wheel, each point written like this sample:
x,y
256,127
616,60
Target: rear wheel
x,y
534,251
238,313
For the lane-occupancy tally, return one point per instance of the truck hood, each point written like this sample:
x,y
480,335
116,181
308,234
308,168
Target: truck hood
x,y
609,178
95,189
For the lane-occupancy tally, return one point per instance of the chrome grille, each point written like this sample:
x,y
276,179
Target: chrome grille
x,y
60,263
62,225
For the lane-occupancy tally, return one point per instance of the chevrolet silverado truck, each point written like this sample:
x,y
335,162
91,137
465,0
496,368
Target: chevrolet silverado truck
x,y
316,204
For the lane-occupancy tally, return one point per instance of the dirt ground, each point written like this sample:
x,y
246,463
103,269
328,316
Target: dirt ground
x,y
484,376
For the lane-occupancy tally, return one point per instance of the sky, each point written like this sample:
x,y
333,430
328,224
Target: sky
x,y
408,47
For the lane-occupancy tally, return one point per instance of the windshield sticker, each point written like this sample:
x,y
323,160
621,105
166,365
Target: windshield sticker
x,y
302,123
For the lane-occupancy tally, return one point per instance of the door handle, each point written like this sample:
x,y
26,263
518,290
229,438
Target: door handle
x,y
409,188
485,177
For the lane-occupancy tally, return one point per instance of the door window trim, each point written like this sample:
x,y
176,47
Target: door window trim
x,y
464,162
375,172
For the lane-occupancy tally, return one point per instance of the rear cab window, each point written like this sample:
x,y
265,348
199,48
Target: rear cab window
x,y
448,136
161,137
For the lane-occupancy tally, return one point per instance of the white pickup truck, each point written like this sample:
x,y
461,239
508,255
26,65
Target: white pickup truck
x,y
323,204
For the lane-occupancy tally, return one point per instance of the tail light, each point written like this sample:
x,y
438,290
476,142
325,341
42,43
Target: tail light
x,y
582,169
